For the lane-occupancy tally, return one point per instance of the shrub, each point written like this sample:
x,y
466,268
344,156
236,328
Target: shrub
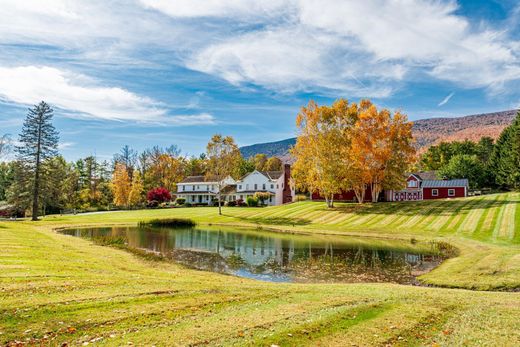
x,y
300,197
251,201
232,203
180,201
169,222
241,203
187,204
152,203
262,197
159,194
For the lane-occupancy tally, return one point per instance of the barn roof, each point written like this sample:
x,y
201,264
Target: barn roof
x,y
426,175
445,183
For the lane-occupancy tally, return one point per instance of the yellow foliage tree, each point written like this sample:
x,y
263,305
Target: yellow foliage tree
x,y
321,147
121,185
166,171
273,164
348,146
136,195
223,160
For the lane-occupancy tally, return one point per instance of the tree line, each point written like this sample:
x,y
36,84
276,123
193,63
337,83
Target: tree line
x,y
40,181
486,163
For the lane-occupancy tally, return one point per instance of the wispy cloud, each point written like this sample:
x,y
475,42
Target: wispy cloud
x,y
81,96
446,99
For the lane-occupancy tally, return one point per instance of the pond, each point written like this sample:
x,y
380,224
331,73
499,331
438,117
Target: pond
x,y
278,257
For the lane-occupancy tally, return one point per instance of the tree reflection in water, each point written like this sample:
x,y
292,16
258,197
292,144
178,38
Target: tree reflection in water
x,y
278,257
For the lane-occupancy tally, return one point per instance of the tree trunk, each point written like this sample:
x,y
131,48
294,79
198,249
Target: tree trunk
x,y
360,193
218,197
36,186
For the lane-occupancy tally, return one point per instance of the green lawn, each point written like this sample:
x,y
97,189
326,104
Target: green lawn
x,y
55,288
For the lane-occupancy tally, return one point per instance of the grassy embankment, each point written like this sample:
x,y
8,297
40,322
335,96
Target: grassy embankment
x,y
57,288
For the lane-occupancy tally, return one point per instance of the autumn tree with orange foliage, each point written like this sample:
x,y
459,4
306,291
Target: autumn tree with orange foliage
x,y
381,150
348,146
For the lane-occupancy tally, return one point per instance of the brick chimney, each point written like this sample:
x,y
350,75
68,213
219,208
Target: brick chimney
x,y
286,196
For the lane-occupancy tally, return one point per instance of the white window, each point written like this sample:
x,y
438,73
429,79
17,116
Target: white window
x,y
435,192
183,188
247,186
256,186
277,186
451,192
263,186
272,186
239,186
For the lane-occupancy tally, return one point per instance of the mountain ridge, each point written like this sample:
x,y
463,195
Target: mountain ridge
x,y
427,132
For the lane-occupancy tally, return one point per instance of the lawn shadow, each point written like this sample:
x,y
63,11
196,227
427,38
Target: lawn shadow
x,y
425,207
275,220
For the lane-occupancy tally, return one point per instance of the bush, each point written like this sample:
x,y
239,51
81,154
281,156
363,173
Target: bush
x,y
180,201
300,197
168,222
241,203
152,203
187,204
159,194
251,202
232,203
261,197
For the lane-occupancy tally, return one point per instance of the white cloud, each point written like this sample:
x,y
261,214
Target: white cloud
x,y
357,47
336,42
446,99
217,8
81,96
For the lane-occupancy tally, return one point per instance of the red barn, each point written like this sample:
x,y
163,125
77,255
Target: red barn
x,y
426,186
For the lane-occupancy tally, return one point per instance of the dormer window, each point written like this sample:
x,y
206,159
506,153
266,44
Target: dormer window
x,y
412,184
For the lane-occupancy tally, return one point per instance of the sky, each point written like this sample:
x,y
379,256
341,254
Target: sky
x,y
158,72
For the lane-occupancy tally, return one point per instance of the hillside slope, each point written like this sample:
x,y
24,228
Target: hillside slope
x,y
427,132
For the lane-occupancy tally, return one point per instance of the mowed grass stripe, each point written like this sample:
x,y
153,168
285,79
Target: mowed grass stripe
x,y
459,216
516,238
481,232
421,216
469,224
500,229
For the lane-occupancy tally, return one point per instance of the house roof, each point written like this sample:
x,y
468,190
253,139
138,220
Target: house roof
x,y
199,179
271,175
426,175
229,189
445,183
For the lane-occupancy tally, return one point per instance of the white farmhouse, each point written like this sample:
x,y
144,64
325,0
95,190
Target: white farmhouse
x,y
200,190
275,183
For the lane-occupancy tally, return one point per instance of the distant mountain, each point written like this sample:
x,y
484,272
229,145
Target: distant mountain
x,y
427,132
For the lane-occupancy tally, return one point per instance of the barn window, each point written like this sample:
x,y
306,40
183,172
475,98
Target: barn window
x,y
435,192
412,184
451,192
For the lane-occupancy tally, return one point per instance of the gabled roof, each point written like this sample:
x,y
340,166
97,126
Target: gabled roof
x,y
425,175
271,175
445,183
197,179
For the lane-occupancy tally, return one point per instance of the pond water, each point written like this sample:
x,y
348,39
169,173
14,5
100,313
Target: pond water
x,y
277,257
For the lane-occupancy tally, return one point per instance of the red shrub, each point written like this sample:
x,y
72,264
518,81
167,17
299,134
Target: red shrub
x,y
159,194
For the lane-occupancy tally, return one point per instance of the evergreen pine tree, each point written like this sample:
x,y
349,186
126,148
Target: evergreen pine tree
x,y
38,142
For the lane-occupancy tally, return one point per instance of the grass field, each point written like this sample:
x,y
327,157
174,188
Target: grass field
x,y
56,289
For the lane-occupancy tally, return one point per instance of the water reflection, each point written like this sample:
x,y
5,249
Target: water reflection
x,y
277,257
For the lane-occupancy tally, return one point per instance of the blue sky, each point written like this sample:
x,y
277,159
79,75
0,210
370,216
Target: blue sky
x,y
158,72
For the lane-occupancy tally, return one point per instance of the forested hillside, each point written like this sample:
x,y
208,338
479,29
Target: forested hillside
x,y
426,132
